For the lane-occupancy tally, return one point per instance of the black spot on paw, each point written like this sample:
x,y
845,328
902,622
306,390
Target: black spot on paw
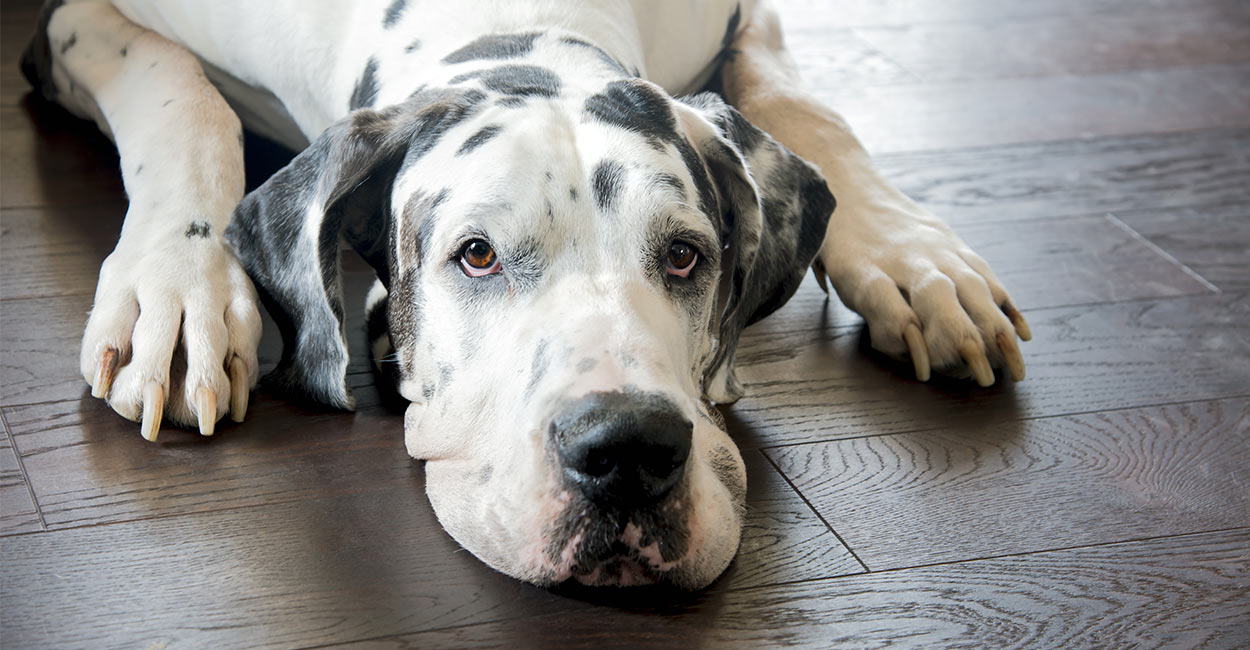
x,y
518,80
366,87
478,139
494,46
200,229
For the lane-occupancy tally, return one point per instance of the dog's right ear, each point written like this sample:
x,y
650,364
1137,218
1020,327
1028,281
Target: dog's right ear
x,y
287,231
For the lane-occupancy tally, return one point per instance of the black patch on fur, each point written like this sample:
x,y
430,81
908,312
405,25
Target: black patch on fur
x,y
366,87
484,474
518,80
605,183
478,139
413,46
572,193
422,208
167,103
441,119
139,169
69,43
393,13
635,106
599,52
538,368
198,229
123,52
586,365
494,46
511,102
672,182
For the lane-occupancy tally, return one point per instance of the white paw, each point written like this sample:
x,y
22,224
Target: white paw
x,y
173,332
924,294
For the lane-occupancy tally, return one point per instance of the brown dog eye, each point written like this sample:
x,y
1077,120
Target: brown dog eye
x,y
478,258
681,259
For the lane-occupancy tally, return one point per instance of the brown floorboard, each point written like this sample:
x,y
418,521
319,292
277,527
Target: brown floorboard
x,y
1173,592
955,494
1095,152
1210,240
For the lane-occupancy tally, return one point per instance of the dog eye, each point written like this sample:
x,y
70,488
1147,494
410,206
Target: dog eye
x,y
477,258
681,259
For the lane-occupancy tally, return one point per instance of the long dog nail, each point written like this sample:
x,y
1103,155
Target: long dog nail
x,y
1011,354
919,350
974,356
153,411
1017,320
206,409
104,375
239,389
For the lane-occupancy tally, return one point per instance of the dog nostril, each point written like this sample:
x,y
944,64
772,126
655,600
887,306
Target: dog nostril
x,y
599,463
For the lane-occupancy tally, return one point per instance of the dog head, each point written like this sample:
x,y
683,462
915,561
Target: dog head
x,y
566,277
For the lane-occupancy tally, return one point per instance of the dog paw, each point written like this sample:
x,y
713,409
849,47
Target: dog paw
x,y
173,333
924,295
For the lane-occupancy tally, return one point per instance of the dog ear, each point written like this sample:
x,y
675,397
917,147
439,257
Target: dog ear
x,y
287,231
774,209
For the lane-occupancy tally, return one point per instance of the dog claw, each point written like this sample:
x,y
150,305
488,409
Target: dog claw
x,y
1011,354
238,389
206,409
104,376
977,363
919,350
153,410
1017,320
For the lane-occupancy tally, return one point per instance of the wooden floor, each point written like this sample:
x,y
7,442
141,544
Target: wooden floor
x,y
1096,152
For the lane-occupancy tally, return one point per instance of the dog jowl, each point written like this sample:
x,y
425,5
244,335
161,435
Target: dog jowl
x,y
564,268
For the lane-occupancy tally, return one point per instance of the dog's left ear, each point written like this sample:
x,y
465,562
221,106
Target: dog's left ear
x,y
774,209
287,232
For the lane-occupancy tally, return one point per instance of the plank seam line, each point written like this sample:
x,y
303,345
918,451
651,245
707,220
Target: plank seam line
x,y
796,582
1027,418
1166,255
903,154
815,511
21,466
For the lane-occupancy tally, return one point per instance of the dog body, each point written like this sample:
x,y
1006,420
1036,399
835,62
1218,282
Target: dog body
x,y
566,254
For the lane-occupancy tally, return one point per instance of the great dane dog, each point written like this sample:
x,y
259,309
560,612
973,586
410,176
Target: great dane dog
x,y
568,236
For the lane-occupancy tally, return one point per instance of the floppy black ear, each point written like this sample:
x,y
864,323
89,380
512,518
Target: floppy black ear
x,y
287,232
775,208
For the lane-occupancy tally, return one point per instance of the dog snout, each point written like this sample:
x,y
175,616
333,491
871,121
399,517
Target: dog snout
x,y
621,450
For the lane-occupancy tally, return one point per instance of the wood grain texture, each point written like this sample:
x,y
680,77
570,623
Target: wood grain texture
x,y
18,513
951,494
1211,240
862,13
56,251
1211,32
979,113
1078,177
808,377
1183,592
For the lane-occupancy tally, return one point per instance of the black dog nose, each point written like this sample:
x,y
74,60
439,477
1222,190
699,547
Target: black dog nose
x,y
623,450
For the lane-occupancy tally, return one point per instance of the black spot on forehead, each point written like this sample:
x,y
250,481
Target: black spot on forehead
x,y
393,13
494,46
478,139
672,182
606,182
521,80
440,117
636,106
598,52
413,46
366,86
511,102
422,207
708,203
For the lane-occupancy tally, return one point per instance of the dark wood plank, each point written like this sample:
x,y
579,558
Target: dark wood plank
x,y
1214,241
90,467
978,113
51,158
808,378
863,13
1185,592
1053,263
56,251
18,513
1078,177
286,575
1208,32
957,494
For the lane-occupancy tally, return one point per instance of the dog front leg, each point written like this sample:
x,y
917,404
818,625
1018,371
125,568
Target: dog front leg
x,y
174,327
921,290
